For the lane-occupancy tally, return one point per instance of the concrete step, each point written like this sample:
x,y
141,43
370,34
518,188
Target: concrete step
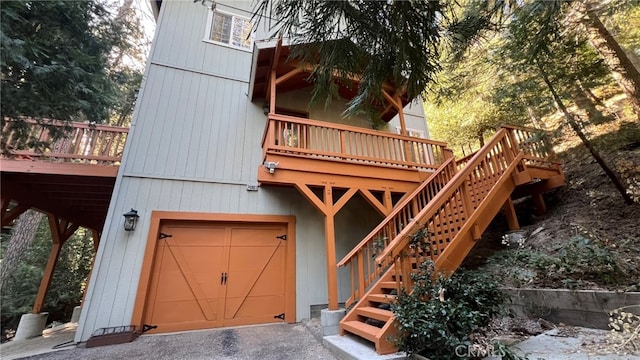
x,y
374,313
361,329
351,347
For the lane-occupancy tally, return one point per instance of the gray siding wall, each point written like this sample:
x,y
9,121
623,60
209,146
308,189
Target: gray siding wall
x,y
193,146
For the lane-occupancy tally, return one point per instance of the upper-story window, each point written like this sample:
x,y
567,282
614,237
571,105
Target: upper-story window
x,y
229,29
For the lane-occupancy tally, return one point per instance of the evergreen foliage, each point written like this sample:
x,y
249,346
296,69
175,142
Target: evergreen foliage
x,y
54,61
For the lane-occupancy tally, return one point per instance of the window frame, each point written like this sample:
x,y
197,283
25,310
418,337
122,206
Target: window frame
x,y
207,31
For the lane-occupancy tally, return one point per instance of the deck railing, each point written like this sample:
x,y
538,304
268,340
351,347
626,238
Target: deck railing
x,y
323,140
536,145
80,142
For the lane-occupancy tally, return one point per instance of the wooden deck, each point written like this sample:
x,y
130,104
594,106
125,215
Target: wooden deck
x,y
72,177
316,152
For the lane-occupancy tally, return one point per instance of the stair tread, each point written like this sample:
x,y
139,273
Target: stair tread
x,y
361,329
389,284
381,298
374,313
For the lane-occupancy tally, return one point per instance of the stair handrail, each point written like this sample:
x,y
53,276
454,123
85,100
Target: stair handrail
x,y
458,182
400,215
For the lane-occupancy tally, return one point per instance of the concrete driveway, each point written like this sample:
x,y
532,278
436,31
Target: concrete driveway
x,y
266,342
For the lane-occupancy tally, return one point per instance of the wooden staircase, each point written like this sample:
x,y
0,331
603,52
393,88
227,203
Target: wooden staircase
x,y
447,214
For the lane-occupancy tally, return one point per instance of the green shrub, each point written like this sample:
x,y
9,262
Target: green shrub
x,y
437,328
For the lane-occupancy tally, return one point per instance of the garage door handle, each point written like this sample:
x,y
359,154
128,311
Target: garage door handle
x,y
223,278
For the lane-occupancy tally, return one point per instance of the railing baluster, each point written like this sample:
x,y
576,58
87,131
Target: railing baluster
x,y
82,143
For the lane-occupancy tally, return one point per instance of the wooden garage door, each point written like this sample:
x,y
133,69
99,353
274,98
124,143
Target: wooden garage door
x,y
214,275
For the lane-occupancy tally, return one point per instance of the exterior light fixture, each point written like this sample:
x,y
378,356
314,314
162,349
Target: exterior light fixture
x,y
130,219
271,166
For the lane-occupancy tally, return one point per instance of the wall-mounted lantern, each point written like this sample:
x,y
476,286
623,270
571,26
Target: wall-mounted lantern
x,y
130,219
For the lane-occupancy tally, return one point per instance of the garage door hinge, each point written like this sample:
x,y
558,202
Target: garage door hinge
x,y
281,316
282,237
163,235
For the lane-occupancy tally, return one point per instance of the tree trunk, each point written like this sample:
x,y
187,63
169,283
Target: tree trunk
x,y
613,176
23,234
622,69
123,12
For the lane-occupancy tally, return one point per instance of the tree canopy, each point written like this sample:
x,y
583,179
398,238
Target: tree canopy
x,y
55,62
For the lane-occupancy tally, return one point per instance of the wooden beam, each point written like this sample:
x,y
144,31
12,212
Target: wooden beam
x,y
392,100
382,209
403,125
9,215
344,199
272,91
62,168
270,96
46,277
288,76
61,230
304,189
330,244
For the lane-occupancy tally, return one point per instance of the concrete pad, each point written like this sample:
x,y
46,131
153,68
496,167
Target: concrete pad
x,y
264,342
350,347
569,343
53,341
75,316
31,325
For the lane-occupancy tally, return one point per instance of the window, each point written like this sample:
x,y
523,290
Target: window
x,y
230,30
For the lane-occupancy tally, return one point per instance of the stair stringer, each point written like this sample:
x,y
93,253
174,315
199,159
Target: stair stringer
x,y
480,218
449,260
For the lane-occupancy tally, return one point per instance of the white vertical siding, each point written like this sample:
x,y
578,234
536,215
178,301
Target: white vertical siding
x,y
194,146
181,44
413,118
114,282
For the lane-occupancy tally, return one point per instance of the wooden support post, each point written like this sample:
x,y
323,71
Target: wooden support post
x,y
538,201
272,92
403,125
96,240
387,201
510,213
46,277
61,230
9,215
330,243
